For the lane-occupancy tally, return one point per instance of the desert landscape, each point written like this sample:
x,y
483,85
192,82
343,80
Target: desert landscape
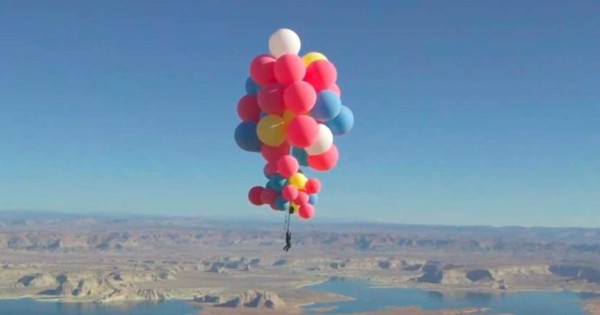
x,y
220,265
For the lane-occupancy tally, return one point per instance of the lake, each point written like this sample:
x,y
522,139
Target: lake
x,y
518,303
32,307
366,299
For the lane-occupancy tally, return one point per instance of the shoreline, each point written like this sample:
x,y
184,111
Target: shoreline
x,y
479,290
371,284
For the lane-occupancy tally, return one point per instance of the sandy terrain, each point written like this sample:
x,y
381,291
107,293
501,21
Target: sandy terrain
x,y
593,307
106,260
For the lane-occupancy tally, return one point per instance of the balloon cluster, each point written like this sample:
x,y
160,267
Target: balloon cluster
x,y
290,113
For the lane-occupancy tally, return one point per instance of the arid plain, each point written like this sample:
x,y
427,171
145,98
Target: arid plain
x,y
220,265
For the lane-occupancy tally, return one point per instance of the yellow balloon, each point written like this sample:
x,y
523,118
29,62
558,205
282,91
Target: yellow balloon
x,y
298,180
288,115
271,130
295,207
312,57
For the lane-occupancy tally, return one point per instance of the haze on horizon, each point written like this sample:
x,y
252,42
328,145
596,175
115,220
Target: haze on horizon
x,y
463,116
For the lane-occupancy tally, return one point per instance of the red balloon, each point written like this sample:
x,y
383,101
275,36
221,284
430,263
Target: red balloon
x,y
270,169
300,97
273,154
255,195
262,69
273,206
302,198
287,166
289,192
303,131
336,89
268,196
289,68
325,161
321,74
248,109
312,186
270,99
306,211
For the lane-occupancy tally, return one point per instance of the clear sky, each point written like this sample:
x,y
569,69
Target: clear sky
x,y
467,112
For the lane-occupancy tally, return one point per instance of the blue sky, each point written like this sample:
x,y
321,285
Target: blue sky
x,y
466,112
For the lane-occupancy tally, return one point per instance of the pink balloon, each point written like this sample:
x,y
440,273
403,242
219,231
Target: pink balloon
x,y
270,99
289,68
289,192
268,196
321,74
325,161
336,89
300,97
312,186
273,154
303,131
255,195
287,166
248,109
261,69
270,169
306,211
302,198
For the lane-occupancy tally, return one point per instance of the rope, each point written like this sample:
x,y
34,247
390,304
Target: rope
x,y
285,221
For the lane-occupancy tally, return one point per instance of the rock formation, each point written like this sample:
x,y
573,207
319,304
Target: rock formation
x,y
207,299
255,299
573,272
38,280
479,275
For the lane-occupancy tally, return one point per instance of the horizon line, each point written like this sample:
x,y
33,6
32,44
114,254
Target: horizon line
x,y
324,219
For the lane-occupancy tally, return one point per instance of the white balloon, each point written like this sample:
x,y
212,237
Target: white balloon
x,y
284,41
323,143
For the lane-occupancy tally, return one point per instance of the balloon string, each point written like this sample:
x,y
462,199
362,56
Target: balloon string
x,y
286,223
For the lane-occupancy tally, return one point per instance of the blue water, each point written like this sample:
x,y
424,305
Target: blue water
x,y
32,307
518,303
366,299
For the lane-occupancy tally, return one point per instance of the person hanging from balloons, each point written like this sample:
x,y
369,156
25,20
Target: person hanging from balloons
x,y
288,240
290,114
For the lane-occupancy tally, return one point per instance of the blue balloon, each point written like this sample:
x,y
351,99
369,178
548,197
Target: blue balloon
x,y
263,114
246,138
281,203
342,123
276,183
251,86
301,155
313,199
327,106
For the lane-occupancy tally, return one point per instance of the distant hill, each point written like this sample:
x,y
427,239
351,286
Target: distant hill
x,y
56,231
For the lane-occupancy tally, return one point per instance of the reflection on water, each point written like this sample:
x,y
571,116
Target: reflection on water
x,y
436,295
589,295
481,296
32,307
367,299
